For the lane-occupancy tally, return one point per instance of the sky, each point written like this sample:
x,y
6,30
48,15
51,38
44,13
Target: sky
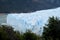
x,y
33,21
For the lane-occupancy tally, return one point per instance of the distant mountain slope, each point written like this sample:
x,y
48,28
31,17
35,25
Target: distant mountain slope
x,y
3,18
8,6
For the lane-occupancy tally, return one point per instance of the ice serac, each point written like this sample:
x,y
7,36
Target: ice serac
x,y
19,6
3,18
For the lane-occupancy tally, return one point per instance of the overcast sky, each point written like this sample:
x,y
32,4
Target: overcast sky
x,y
36,19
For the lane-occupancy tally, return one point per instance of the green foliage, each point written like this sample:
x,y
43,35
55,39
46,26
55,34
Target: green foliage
x,y
8,33
52,29
30,36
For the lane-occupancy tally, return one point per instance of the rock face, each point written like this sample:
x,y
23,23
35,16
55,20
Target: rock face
x,y
3,18
8,6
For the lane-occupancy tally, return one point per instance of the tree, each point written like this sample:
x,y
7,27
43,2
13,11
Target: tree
x,y
30,36
7,33
52,29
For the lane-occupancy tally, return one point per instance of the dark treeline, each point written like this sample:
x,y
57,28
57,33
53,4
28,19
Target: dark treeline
x,y
51,32
52,29
7,33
